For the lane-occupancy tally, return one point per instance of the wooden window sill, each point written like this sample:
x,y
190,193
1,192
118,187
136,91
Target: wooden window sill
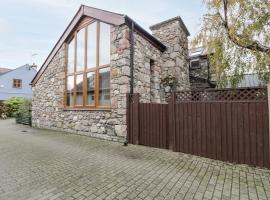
x,y
87,109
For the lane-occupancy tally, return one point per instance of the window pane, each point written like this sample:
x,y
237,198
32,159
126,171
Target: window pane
x,y
91,88
19,83
92,45
104,87
105,43
80,50
79,90
69,99
70,89
71,56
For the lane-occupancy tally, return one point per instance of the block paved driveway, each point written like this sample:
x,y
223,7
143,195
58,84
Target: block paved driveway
x,y
40,164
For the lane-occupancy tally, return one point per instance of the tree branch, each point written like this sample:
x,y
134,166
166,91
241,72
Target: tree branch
x,y
236,39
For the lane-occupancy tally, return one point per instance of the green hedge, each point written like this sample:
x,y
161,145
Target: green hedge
x,y
15,106
24,108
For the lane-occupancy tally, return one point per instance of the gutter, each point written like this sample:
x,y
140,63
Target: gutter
x,y
130,24
131,36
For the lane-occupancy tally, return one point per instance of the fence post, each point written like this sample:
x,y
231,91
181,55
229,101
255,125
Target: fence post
x,y
268,98
30,117
135,118
128,137
172,122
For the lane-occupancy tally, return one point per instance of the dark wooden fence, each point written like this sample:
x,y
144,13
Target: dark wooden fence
x,y
228,125
25,119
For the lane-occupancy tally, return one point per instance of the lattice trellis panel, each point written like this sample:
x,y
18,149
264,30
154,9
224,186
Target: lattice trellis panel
x,y
242,94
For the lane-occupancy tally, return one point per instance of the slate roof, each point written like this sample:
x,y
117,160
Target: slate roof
x,y
197,52
4,70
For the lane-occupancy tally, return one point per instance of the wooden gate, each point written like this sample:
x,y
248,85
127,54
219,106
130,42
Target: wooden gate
x,y
228,124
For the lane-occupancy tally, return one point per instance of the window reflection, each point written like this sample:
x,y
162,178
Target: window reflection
x,y
104,87
91,88
79,90
70,89
80,50
105,42
71,56
92,45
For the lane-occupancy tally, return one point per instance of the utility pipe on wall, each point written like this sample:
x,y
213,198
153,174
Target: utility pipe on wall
x,y
131,58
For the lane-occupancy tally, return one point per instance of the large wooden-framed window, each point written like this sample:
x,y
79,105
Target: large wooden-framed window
x,y
88,67
17,83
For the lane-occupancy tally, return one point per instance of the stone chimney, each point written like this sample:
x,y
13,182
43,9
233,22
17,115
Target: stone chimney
x,y
174,35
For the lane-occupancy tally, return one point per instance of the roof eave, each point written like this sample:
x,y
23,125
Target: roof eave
x,y
110,17
145,34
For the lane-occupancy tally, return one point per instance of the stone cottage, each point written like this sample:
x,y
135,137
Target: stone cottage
x,y
100,57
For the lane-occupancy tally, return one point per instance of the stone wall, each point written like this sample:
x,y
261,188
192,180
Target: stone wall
x,y
48,96
147,70
173,34
202,70
200,77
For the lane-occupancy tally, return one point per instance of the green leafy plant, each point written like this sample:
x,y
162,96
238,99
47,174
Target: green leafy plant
x,y
15,104
24,108
169,82
236,36
3,110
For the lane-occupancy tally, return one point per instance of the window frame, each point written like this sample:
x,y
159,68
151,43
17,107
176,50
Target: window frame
x,y
193,61
86,70
17,83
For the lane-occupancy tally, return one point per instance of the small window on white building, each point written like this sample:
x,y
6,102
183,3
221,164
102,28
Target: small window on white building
x,y
17,83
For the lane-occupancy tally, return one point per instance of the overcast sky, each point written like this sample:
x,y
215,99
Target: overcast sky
x,y
30,27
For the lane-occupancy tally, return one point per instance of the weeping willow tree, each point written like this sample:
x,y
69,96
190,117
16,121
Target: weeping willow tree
x,y
236,35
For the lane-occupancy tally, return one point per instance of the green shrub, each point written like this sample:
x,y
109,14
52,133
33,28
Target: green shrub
x,y
24,108
3,110
17,104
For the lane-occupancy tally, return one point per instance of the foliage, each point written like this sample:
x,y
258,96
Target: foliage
x,y
236,35
24,108
169,81
15,104
3,110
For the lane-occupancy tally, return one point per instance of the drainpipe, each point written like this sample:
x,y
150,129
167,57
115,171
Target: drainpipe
x,y
131,35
